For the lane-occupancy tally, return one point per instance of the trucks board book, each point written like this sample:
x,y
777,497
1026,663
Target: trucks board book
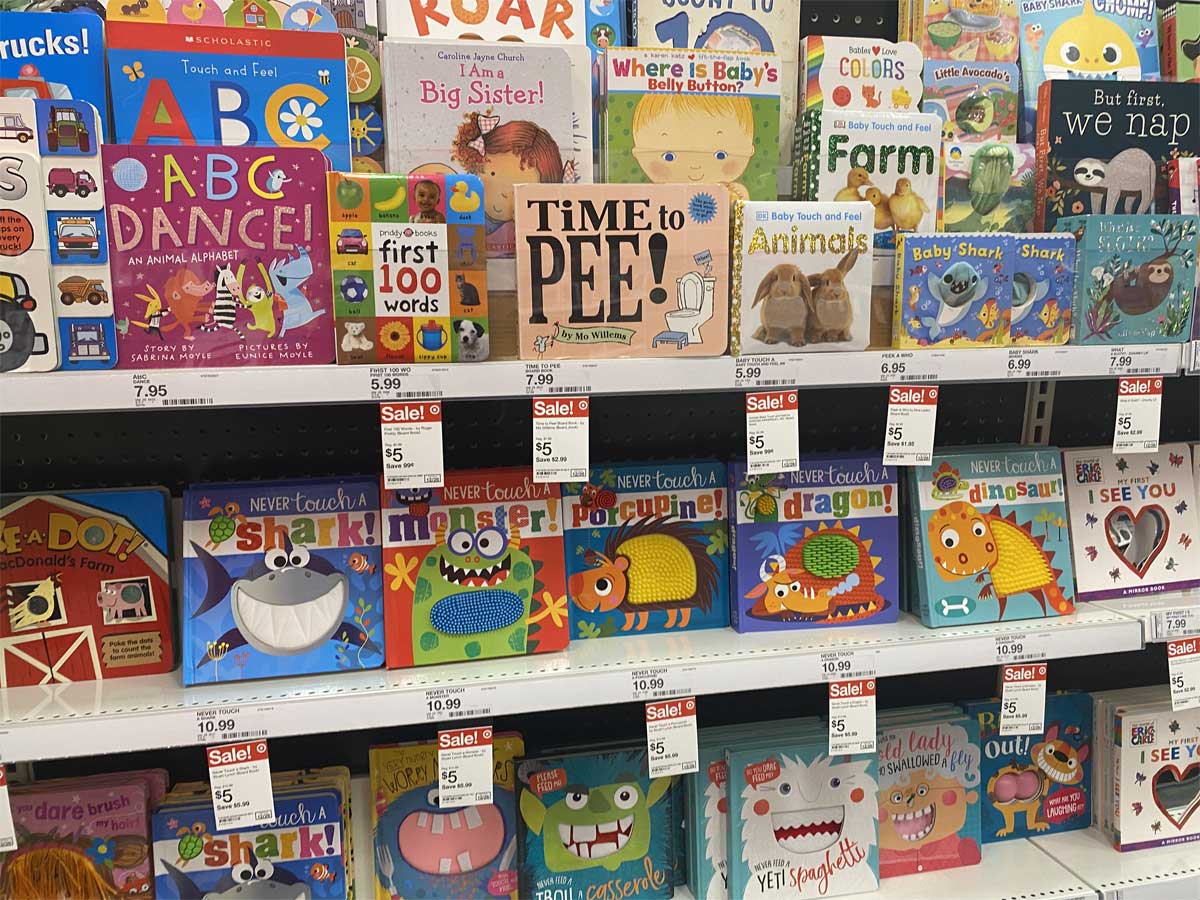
x,y
892,160
801,276
507,113
680,116
530,21
988,187
952,290
817,547
1157,770
281,578
594,825
474,569
741,25
1042,289
28,324
647,549
981,31
990,537
409,268
1133,520
1104,148
233,87
620,270
87,585
976,101
220,256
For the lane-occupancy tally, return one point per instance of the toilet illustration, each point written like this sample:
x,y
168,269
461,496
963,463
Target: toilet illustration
x,y
697,297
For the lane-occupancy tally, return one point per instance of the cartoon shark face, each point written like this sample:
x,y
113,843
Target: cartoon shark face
x,y
958,285
1090,47
256,878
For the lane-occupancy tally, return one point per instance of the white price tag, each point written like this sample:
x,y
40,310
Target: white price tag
x,y
404,383
228,723
1178,623
1134,360
1139,410
465,770
1023,699
149,389
894,365
560,438
239,776
1021,648
1021,361
911,421
1183,667
660,682
765,372
852,716
442,704
8,834
848,665
671,737
553,378
412,445
772,432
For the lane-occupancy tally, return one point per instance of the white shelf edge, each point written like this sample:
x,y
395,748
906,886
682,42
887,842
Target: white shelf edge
x,y
1151,611
1161,873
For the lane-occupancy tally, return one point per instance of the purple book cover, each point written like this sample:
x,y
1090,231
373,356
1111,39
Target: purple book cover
x,y
220,256
817,547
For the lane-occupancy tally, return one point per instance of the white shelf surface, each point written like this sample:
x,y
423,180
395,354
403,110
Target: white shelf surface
x,y
306,385
1155,611
1162,873
123,714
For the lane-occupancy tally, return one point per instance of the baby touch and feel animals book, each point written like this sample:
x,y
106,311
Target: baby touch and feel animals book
x,y
801,276
987,187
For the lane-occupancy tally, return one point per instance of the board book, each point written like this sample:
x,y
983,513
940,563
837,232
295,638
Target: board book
x,y
990,537
801,276
620,270
409,268
281,578
475,569
1179,41
1133,520
530,21
817,547
976,101
220,256
86,580
860,73
1042,288
987,187
606,27
1183,186
647,549
689,116
982,31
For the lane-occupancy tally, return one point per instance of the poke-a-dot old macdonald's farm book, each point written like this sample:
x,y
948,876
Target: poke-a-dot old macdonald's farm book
x,y
85,578
220,256
622,270
474,569
691,116
281,578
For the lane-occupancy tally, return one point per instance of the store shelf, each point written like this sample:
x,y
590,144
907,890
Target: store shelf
x,y
306,385
89,718
1154,613
1164,873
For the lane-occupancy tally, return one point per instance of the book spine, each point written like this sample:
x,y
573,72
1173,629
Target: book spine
x,y
735,596
898,295
1043,153
1168,44
735,278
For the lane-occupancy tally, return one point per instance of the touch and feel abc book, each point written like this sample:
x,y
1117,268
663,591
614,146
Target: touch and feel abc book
x,y
1043,284
801,276
435,850
594,825
220,256
474,569
990,537
620,270
1133,521
678,116
987,187
1036,784
281,578
409,268
647,549
816,547
86,585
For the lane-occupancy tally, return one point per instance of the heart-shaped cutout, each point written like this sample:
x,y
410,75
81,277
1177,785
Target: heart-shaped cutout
x,y
1177,793
1137,538
875,50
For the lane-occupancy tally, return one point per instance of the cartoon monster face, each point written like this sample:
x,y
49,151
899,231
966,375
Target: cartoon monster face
x,y
1089,47
958,283
1059,760
603,587
961,541
454,841
925,808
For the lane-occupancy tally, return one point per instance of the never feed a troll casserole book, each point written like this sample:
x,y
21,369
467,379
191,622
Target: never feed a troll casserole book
x,y
474,569
281,578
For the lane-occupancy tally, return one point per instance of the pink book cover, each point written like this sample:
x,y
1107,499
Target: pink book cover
x,y
220,256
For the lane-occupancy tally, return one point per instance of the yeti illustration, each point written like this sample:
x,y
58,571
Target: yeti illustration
x,y
1130,172
715,817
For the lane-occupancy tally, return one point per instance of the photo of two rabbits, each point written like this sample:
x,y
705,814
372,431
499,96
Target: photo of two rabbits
x,y
799,309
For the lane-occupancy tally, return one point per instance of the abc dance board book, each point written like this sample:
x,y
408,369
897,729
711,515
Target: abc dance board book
x,y
952,290
688,116
530,21
622,270
409,268
801,276
1133,521
975,101
647,549
281,578
1104,148
594,825
1043,284
816,547
474,569
1036,784
233,87
987,187
220,256
990,536
442,851
87,586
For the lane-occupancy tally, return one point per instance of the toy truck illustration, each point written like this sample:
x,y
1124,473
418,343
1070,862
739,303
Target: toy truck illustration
x,y
61,182
18,338
13,128
77,289
67,129
77,235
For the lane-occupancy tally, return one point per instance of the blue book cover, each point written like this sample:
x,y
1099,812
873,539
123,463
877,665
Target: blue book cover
x,y
281,578
1042,289
233,87
1036,784
647,549
605,28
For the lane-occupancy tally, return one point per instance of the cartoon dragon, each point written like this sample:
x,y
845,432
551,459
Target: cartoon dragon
x,y
287,276
1021,787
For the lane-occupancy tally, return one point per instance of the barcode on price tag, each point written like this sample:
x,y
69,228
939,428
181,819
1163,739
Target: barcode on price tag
x,y
848,665
911,422
412,445
1022,361
1178,623
8,834
1023,699
660,682
240,778
852,716
772,432
229,723
442,704
465,769
403,383
1139,412
1183,667
671,737
765,372
1021,647
560,439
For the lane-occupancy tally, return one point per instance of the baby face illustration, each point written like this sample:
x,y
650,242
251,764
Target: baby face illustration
x,y
501,172
927,807
690,141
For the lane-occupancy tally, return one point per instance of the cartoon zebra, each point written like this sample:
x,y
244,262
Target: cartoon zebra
x,y
228,298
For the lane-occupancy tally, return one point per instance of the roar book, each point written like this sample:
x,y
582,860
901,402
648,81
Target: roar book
x,y
529,22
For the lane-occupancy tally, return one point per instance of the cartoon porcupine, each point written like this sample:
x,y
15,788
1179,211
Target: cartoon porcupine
x,y
648,565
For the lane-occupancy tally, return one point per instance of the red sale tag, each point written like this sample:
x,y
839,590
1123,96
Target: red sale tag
x,y
1023,699
1183,667
560,438
412,444
465,766
240,778
852,716
772,432
911,422
1139,415
671,737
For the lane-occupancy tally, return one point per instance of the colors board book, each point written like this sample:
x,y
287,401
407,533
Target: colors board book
x,y
861,73
988,187
1042,289
975,101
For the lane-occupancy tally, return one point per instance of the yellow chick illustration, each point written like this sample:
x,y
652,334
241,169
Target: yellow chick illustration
x,y
1049,314
988,313
907,208
37,606
462,198
901,98
856,180
883,218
